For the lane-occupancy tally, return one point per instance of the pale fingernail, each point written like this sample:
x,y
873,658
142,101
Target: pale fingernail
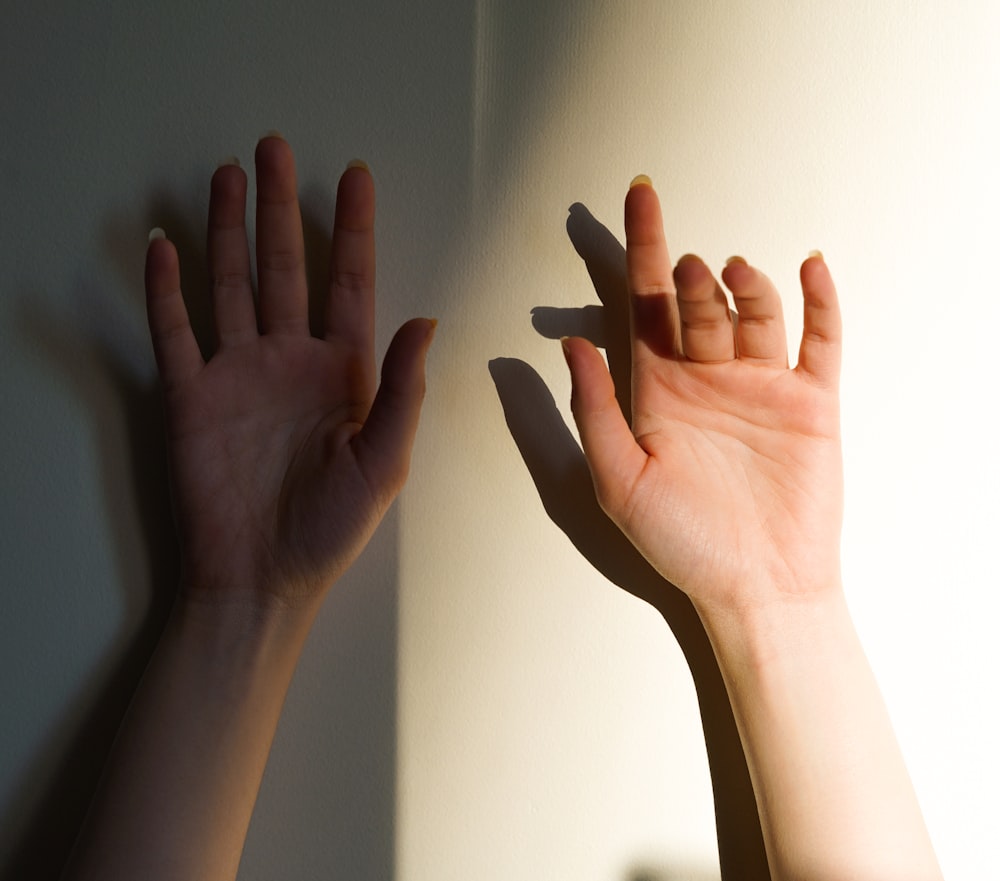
x,y
818,254
736,259
230,160
156,233
359,163
641,180
272,133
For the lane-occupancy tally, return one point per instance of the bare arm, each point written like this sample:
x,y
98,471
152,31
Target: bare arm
x,y
728,481
285,452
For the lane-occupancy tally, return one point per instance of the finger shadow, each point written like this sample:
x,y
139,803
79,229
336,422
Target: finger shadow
x,y
559,471
604,257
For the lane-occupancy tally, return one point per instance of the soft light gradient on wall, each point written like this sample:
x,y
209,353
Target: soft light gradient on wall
x,y
477,699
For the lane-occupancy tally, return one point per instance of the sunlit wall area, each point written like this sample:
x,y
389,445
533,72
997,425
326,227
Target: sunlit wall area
x,y
481,697
546,722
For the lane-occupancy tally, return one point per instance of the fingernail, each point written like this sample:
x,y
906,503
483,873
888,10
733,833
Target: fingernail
x,y
156,233
359,163
736,259
818,254
564,342
641,180
230,160
272,133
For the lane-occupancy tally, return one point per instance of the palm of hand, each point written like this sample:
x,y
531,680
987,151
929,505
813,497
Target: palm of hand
x,y
742,481
270,491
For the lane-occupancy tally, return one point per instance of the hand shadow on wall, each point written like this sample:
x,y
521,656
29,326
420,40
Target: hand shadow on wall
x,y
112,377
562,478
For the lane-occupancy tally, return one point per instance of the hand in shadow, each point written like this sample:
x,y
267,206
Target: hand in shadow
x,y
562,478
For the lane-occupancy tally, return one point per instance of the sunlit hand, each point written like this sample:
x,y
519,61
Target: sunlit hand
x,y
729,478
283,457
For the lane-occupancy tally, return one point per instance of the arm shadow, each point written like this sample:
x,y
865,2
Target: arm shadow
x,y
561,476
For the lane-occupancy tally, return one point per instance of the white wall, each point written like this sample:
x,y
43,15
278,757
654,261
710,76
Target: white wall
x,y
477,699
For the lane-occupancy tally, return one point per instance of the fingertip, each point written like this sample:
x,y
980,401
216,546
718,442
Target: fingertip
x,y
689,270
271,135
273,153
588,374
816,279
569,346
582,358
229,179
407,353
737,273
814,265
642,210
431,330
566,350
356,197
422,330
162,269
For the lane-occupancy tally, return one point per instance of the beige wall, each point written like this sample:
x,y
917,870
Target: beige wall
x,y
478,700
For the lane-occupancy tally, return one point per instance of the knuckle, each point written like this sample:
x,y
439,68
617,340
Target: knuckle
x,y
282,260
354,281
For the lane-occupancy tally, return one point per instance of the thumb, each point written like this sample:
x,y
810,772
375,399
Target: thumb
x,y
612,453
385,441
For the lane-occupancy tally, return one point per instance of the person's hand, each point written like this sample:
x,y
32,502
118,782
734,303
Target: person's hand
x,y
283,457
729,478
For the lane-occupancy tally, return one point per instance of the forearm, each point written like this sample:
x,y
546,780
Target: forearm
x,y
183,776
834,796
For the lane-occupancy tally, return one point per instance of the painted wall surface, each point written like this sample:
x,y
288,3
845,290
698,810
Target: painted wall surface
x,y
478,699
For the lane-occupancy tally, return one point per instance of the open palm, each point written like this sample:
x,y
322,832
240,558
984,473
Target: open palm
x,y
284,457
729,478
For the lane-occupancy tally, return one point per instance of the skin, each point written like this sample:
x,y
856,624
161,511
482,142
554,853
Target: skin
x,y
285,453
728,481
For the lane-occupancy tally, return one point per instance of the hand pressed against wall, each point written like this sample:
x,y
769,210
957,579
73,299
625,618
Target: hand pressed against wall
x,y
283,456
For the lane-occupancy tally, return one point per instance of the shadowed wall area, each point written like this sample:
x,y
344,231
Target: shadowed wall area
x,y
489,693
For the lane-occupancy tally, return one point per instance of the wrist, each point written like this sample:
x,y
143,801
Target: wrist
x,y
234,628
756,635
